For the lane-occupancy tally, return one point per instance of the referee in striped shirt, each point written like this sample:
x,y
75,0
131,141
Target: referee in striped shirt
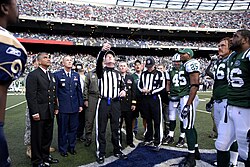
x,y
111,87
151,83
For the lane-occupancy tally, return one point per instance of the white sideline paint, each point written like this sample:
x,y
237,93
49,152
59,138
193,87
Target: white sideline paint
x,y
18,104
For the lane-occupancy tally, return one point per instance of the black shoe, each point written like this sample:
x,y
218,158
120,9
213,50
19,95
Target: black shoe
x,y
82,139
146,143
72,152
189,161
46,164
39,165
88,142
168,140
100,159
197,154
131,145
64,154
121,156
51,160
180,142
156,148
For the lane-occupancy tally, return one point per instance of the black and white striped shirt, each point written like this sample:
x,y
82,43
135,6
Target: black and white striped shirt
x,y
109,79
153,81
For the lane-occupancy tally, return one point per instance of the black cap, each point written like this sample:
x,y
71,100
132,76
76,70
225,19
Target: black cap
x,y
150,62
110,52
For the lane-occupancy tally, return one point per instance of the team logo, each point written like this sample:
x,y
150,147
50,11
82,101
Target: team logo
x,y
148,62
129,81
13,51
237,63
166,157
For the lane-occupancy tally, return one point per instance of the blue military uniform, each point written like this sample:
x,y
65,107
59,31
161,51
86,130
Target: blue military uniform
x,y
70,98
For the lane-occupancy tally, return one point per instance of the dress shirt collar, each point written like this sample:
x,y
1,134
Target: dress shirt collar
x,y
44,70
66,72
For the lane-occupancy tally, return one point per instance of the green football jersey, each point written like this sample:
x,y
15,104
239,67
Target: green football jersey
x,y
173,76
220,79
190,66
239,79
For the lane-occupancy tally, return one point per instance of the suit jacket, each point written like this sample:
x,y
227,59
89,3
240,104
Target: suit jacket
x,y
69,92
130,97
41,94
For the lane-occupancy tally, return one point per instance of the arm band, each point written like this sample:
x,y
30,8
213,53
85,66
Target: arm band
x,y
196,85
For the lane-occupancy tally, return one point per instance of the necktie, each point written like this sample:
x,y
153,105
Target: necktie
x,y
47,74
68,75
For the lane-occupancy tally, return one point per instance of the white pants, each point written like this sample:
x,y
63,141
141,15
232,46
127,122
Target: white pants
x,y
173,110
188,122
219,111
236,128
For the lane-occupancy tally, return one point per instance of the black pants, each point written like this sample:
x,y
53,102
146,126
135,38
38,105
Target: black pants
x,y
128,117
152,107
105,110
41,138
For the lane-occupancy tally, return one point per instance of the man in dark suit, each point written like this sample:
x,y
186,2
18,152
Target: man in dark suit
x,y
70,100
42,104
128,103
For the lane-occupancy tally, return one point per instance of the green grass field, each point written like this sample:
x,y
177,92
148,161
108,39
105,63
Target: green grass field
x,y
15,125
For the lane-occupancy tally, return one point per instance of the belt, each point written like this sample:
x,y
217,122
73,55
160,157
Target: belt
x,y
110,99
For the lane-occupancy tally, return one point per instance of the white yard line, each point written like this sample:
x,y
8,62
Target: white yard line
x,y
203,111
18,104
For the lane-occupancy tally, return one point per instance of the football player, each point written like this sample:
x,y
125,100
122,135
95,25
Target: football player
x,y
235,123
220,97
12,62
173,88
189,85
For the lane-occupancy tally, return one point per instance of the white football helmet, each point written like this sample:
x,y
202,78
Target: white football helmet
x,y
176,57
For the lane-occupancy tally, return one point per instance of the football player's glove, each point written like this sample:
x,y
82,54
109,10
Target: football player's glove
x,y
209,106
185,111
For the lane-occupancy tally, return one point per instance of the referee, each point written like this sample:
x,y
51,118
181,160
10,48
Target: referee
x,y
151,83
111,88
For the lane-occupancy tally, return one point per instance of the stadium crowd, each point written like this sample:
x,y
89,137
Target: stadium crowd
x,y
89,61
98,41
120,14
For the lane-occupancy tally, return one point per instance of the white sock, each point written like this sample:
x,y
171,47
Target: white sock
x,y
234,157
171,133
182,135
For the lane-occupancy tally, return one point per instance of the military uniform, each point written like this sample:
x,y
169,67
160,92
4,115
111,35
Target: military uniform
x,y
138,96
42,100
70,98
126,103
90,94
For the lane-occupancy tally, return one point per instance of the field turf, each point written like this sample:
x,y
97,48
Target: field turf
x,y
15,125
